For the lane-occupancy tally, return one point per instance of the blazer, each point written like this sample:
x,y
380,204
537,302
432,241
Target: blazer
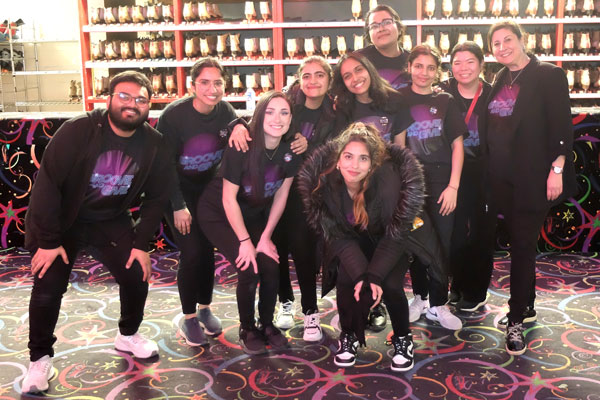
x,y
543,130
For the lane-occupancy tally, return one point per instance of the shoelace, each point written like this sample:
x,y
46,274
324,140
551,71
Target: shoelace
x,y
312,321
347,344
286,308
401,345
514,333
41,367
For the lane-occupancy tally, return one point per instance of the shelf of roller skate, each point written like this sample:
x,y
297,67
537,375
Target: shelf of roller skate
x,y
184,63
178,27
58,72
490,21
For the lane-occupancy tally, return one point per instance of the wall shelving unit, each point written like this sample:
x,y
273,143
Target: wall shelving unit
x,y
281,27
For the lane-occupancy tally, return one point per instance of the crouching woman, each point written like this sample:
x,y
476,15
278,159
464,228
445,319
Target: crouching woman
x,y
362,196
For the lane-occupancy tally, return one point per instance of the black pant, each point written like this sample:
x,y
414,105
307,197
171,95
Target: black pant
x,y
223,237
523,228
424,285
196,272
293,235
470,271
393,297
110,242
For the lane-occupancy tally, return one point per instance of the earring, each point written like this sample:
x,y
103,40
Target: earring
x,y
337,167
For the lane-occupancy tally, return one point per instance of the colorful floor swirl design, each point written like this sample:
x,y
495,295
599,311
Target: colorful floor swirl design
x,y
563,361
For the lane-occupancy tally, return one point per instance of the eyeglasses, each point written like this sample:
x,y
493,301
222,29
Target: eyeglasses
x,y
126,98
383,24
205,83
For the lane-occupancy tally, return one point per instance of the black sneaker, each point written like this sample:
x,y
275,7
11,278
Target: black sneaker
x,y
377,318
515,342
346,354
454,297
252,341
274,337
471,306
403,359
529,315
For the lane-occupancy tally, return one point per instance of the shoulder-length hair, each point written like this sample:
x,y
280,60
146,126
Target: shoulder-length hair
x,y
379,89
257,145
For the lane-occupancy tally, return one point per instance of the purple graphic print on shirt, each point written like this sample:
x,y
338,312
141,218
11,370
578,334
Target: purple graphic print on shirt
x,y
503,103
307,129
394,77
112,176
200,153
426,126
274,176
473,139
381,123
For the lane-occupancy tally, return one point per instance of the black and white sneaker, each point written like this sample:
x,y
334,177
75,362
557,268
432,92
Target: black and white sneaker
x,y
529,315
403,359
515,342
346,354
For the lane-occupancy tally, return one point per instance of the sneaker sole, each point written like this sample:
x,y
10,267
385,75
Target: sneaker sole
x,y
154,353
344,364
35,389
284,326
189,342
402,369
436,319
516,353
253,352
480,304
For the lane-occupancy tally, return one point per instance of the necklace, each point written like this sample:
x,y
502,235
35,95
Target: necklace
x,y
273,153
512,81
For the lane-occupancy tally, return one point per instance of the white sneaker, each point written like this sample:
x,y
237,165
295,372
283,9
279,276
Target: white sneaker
x,y
444,316
136,344
285,315
38,375
312,328
417,307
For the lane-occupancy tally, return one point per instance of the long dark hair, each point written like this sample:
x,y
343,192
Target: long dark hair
x,y
369,136
379,89
257,145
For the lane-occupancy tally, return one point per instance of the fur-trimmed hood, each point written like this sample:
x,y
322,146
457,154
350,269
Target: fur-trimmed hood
x,y
394,198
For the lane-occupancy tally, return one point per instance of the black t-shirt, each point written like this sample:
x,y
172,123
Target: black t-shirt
x,y
389,124
471,143
235,169
306,120
114,173
197,140
438,122
499,134
392,69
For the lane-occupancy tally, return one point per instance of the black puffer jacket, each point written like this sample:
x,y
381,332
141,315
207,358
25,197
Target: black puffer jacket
x,y
394,198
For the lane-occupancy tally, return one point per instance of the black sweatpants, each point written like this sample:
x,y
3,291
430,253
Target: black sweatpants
x,y
523,228
223,237
423,285
470,271
110,242
393,297
294,236
196,272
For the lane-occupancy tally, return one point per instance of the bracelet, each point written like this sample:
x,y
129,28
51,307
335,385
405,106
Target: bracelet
x,y
243,240
453,187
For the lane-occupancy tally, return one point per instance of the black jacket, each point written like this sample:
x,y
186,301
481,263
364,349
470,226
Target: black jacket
x,y
543,131
65,172
394,198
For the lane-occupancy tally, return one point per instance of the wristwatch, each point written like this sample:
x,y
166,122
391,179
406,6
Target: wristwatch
x,y
556,169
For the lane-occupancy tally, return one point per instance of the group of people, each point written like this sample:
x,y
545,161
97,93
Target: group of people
x,y
362,172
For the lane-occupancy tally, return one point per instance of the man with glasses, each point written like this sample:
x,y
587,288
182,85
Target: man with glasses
x,y
384,31
95,168
196,129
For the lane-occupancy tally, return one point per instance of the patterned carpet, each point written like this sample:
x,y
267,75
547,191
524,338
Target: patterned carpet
x,y
562,363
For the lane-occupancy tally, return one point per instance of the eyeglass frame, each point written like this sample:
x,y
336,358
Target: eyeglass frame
x,y
384,23
126,98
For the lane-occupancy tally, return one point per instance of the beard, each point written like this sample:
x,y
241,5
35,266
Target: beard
x,y
129,123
